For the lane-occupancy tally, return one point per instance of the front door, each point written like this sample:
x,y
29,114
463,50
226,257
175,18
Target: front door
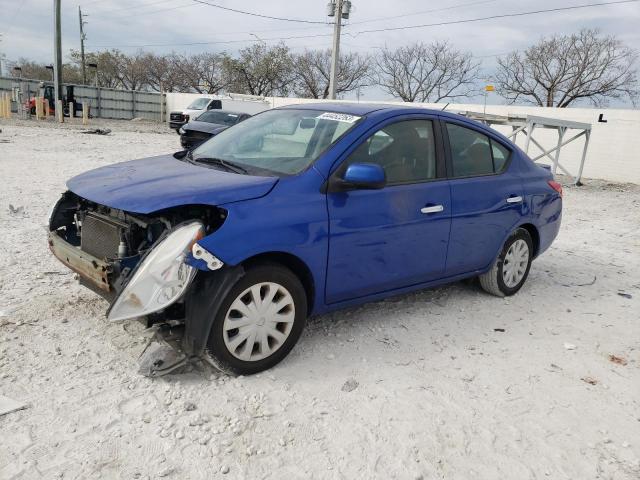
x,y
394,237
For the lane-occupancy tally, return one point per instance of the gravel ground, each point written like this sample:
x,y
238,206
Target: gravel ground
x,y
448,383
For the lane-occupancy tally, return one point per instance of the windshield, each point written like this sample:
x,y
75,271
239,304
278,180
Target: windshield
x,y
284,142
223,118
198,104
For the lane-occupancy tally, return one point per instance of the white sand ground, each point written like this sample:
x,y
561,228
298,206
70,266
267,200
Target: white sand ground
x,y
419,386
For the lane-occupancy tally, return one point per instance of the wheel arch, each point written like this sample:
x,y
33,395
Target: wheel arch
x,y
535,236
297,266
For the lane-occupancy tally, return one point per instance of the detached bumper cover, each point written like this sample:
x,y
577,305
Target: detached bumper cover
x,y
92,269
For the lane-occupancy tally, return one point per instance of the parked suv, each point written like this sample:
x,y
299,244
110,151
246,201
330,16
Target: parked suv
x,y
303,210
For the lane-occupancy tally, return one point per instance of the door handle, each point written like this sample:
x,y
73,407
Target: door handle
x,y
432,209
517,199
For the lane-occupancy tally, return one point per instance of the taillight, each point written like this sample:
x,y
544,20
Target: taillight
x,y
556,186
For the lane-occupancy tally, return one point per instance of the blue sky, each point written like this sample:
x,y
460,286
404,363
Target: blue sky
x,y
27,25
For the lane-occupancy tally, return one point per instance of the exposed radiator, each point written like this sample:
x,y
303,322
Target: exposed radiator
x,y
100,236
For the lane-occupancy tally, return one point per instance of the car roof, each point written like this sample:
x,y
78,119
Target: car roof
x,y
361,108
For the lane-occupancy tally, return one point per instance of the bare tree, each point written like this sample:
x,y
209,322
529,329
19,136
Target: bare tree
x,y
39,71
108,62
426,72
561,70
132,70
260,70
313,68
202,72
162,74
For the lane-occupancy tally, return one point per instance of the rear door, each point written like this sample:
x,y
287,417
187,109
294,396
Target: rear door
x,y
397,236
486,195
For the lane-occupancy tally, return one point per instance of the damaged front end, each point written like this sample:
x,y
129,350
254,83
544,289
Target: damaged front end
x,y
142,264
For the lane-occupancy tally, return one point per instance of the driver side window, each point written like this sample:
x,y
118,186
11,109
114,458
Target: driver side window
x,y
405,150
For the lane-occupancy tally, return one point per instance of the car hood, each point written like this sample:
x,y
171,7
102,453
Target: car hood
x,y
156,183
206,127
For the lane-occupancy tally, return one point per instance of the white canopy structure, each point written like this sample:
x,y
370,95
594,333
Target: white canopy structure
x,y
527,124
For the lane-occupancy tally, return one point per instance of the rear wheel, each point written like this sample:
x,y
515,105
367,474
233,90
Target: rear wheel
x,y
511,268
259,321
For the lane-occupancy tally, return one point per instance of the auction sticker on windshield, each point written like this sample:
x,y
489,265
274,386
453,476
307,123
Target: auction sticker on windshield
x,y
339,117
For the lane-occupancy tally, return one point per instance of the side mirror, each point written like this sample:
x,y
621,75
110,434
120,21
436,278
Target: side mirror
x,y
359,176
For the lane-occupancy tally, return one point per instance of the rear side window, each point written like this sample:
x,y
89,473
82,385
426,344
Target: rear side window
x,y
474,153
500,156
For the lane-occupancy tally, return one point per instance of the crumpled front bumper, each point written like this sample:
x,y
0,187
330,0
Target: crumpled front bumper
x,y
94,271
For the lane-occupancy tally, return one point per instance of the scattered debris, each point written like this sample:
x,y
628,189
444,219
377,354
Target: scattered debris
x,y
625,295
502,330
350,385
160,359
554,368
569,346
616,359
15,210
98,131
589,380
587,283
8,405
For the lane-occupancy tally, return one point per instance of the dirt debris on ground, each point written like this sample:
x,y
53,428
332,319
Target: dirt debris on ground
x,y
417,386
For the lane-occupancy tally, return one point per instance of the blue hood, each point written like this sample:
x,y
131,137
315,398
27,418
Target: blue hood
x,y
156,183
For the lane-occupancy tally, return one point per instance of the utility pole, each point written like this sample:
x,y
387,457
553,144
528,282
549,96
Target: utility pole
x,y
339,9
83,37
2,57
57,50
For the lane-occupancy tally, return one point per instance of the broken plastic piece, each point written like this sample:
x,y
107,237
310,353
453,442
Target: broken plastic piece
x,y
211,260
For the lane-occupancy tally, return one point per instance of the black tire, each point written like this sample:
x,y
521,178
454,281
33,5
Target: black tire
x,y
218,353
493,280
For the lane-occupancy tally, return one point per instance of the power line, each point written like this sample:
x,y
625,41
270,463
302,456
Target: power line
x,y
253,14
494,17
140,14
452,7
355,34
142,5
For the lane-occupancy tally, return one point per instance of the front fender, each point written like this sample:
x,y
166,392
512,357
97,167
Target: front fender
x,y
291,219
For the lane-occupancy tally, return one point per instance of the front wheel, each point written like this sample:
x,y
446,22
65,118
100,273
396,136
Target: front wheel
x,y
259,321
511,268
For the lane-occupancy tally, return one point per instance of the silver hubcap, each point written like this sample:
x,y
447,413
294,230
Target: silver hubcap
x,y
515,263
259,321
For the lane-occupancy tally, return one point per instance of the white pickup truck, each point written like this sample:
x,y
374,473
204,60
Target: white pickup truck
x,y
201,104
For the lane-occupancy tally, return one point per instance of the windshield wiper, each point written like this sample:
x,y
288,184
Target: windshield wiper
x,y
231,166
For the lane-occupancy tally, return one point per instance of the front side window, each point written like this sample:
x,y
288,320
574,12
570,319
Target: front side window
x,y
282,142
405,150
473,153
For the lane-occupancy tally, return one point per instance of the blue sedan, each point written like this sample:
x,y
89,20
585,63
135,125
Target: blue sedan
x,y
299,211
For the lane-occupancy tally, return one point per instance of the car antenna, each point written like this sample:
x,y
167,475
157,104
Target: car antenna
x,y
445,107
